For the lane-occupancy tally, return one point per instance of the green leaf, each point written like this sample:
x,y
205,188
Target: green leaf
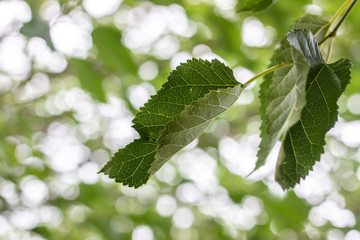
x,y
282,93
196,88
254,5
314,23
286,98
192,122
89,78
188,83
114,55
304,141
130,165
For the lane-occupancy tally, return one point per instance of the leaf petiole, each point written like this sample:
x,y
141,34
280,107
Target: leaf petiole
x,y
336,16
269,70
328,54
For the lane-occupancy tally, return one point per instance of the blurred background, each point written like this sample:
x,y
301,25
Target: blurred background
x,y
73,74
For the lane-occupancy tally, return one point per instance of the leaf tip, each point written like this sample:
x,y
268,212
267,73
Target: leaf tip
x,y
283,183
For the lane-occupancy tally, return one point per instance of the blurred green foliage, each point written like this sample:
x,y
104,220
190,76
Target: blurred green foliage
x,y
59,123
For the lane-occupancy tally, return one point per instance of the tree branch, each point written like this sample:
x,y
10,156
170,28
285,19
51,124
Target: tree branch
x,y
333,32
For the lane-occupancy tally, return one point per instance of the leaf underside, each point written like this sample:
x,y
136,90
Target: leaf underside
x,y
282,93
192,122
197,90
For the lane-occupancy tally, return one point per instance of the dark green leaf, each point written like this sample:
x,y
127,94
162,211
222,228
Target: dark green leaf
x,y
254,5
89,78
130,165
304,141
282,94
114,55
199,90
188,83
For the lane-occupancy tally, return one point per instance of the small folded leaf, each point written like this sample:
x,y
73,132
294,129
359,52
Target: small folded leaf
x,y
304,141
254,5
192,89
286,98
282,94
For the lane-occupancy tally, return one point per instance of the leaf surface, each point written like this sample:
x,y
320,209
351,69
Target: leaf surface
x,y
195,118
130,165
282,93
304,142
254,5
314,23
193,87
